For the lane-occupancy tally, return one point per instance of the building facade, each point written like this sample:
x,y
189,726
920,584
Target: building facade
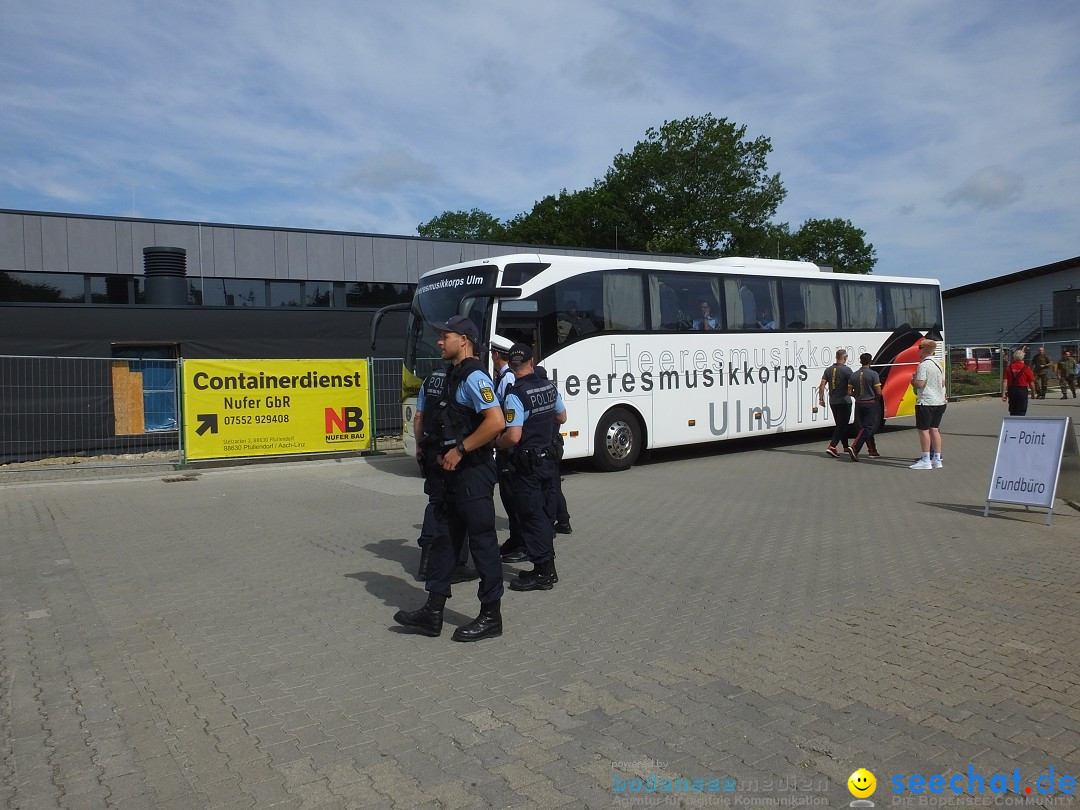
x,y
1032,306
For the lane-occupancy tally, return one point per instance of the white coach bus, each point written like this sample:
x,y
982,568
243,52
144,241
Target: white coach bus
x,y
654,354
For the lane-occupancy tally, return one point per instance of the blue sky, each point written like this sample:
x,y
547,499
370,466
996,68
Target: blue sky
x,y
949,131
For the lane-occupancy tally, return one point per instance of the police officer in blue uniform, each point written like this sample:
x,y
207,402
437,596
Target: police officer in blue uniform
x,y
431,393
533,408
513,550
466,421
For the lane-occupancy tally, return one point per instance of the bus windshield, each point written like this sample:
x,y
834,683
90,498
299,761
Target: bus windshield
x,y
437,299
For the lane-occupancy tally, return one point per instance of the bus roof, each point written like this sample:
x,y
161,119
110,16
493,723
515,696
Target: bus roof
x,y
750,266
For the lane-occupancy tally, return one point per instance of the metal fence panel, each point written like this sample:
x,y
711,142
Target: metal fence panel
x,y
121,410
386,385
64,406
976,371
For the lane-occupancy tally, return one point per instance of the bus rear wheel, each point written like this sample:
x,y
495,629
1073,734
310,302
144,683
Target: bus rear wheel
x,y
618,441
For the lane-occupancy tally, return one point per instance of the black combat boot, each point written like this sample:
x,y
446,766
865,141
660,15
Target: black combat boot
x,y
424,569
542,578
487,625
427,621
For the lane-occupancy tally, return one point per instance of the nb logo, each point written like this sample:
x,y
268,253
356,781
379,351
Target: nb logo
x,y
348,420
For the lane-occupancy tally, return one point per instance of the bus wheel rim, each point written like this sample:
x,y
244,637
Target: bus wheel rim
x,y
619,440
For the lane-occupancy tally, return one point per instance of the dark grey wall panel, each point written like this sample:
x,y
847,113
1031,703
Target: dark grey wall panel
x,y
389,258
125,252
297,254
281,254
365,258
53,247
91,245
13,241
254,253
325,256
348,249
224,265
34,245
201,332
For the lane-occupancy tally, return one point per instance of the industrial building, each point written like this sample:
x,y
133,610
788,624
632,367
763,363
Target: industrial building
x,y
1039,305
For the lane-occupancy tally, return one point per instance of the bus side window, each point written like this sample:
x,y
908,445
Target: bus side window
x,y
794,312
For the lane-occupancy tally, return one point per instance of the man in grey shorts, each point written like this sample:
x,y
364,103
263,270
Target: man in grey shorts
x,y
929,385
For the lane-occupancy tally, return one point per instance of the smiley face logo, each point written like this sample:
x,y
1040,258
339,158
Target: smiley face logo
x,y
862,784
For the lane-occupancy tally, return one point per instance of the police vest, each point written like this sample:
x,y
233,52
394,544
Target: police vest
x,y
434,387
452,420
538,396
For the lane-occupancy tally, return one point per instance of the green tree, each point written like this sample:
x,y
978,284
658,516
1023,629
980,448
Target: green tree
x,y
573,219
691,186
836,242
474,225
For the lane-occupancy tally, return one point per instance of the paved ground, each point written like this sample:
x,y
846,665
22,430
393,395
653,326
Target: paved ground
x,y
763,616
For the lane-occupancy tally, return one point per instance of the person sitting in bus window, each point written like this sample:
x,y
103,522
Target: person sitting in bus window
x,y
765,319
573,323
706,322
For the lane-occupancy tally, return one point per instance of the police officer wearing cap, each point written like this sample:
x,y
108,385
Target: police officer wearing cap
x,y
466,421
427,399
533,407
513,550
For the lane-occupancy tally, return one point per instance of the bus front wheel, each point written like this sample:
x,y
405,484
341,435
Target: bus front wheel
x,y
618,440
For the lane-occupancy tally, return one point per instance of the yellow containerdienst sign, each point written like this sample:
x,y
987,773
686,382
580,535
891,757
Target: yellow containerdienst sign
x,y
275,407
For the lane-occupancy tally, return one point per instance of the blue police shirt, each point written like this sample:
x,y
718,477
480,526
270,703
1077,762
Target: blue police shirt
x,y
505,380
477,392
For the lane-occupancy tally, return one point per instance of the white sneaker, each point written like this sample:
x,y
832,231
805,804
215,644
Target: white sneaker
x,y
922,464
936,463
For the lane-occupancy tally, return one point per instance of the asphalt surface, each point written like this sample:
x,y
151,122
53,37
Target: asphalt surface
x,y
756,616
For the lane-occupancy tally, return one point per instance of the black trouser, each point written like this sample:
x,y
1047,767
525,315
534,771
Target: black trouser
x,y
506,495
433,488
532,502
841,412
868,416
1018,400
467,509
557,501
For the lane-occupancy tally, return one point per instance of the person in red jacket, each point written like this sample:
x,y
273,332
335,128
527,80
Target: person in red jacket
x,y
1018,383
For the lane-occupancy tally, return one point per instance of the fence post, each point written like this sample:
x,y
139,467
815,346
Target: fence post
x,y
371,405
181,416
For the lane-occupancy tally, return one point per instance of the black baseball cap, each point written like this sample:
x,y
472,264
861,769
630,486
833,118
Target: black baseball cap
x,y
461,325
520,352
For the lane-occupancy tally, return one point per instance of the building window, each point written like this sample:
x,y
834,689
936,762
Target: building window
x,y
318,293
245,292
374,294
43,288
285,294
110,289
